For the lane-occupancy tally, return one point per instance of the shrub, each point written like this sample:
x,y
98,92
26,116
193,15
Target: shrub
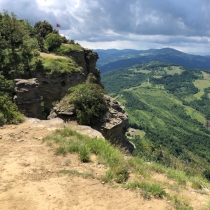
x,y
9,111
121,174
53,41
89,102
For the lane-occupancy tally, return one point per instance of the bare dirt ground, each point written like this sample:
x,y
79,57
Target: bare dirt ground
x,y
30,175
51,55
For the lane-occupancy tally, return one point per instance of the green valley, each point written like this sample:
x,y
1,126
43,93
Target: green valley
x,y
162,101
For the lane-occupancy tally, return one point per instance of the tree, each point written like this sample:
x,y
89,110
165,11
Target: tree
x,y
64,39
29,50
89,102
43,28
12,35
31,30
53,41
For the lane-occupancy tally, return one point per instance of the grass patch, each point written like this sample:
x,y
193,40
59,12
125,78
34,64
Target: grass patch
x,y
119,168
201,85
108,176
52,66
68,48
60,151
177,175
144,71
148,190
180,203
71,141
194,114
172,70
84,153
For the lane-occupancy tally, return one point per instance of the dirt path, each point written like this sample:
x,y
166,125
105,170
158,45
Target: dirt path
x,y
30,178
52,55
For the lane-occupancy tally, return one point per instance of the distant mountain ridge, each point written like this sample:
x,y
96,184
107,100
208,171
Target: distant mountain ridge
x,y
114,59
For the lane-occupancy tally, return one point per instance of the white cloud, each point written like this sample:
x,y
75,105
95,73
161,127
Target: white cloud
x,y
122,23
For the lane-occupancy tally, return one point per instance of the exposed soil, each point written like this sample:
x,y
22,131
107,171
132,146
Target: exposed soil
x,y
51,55
31,178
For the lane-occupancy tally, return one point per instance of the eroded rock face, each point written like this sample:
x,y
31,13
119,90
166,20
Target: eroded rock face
x,y
113,124
27,97
54,88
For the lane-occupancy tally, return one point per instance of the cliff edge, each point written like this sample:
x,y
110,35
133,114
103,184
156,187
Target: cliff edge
x,y
31,94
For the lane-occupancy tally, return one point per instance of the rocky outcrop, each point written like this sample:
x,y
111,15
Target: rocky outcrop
x,y
27,97
87,60
113,124
54,88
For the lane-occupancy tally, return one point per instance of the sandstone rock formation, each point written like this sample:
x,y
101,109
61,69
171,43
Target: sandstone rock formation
x,y
113,124
54,88
27,97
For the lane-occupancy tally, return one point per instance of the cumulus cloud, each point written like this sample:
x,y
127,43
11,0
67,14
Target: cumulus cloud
x,y
134,23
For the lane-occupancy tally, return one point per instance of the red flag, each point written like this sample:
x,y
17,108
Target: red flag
x,y
58,25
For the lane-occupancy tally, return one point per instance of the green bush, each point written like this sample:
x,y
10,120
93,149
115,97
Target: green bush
x,y
9,112
53,41
89,102
121,174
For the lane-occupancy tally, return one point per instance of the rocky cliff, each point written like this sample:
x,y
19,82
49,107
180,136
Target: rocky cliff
x,y
113,124
28,98
54,88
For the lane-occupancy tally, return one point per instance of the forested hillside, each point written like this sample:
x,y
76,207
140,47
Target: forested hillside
x,y
169,112
115,59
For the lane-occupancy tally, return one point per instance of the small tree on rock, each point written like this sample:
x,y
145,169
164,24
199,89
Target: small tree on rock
x,y
89,102
53,41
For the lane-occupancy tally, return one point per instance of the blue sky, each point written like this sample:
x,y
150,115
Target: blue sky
x,y
124,24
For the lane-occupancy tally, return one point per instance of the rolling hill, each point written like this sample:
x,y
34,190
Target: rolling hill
x,y
115,59
169,111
